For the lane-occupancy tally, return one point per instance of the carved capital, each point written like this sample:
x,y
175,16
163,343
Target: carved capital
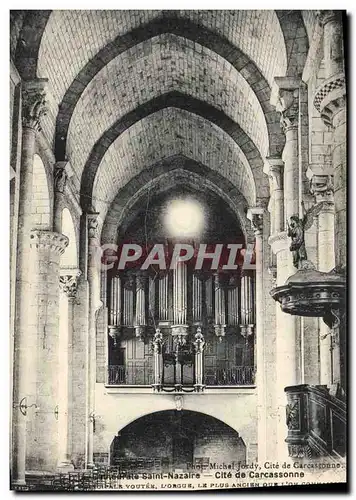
x,y
285,98
327,16
255,215
322,187
93,224
49,240
68,284
274,168
33,103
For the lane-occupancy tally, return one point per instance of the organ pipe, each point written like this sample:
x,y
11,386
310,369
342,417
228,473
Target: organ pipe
x,y
128,304
163,298
233,306
197,299
115,301
180,294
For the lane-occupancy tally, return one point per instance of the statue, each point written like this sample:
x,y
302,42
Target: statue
x,y
296,227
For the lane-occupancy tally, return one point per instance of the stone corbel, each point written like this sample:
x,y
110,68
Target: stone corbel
x,y
93,224
61,173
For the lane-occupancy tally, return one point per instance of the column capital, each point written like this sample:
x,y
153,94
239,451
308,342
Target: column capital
x,y
327,16
322,187
50,240
33,103
68,281
274,168
92,218
279,242
255,215
285,98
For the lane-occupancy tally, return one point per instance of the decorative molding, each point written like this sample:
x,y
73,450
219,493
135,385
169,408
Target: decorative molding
x,y
49,240
68,284
33,103
330,97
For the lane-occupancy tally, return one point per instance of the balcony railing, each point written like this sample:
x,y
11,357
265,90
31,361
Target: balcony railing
x,y
134,373
141,373
235,375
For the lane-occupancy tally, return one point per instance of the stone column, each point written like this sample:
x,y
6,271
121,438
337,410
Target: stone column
x,y
94,306
33,107
47,248
255,215
287,104
322,188
68,291
330,101
274,168
286,101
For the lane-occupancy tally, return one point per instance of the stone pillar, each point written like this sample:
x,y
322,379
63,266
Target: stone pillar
x,y
274,168
255,215
94,306
68,291
322,188
47,248
286,100
330,101
33,107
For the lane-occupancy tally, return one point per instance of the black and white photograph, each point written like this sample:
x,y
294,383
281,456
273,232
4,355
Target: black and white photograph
x,y
178,249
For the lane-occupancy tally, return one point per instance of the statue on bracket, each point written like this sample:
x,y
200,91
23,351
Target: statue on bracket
x,y
296,230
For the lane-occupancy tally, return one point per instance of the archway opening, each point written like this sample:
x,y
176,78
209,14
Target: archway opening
x,y
176,440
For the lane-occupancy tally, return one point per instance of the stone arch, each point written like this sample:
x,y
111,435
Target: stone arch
x,y
192,434
296,40
208,120
41,205
69,259
165,174
171,25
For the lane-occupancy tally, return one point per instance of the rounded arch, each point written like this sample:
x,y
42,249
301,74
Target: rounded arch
x,y
163,175
41,205
184,112
177,439
181,27
69,259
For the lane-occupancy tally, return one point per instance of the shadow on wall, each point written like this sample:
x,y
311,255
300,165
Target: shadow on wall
x,y
171,440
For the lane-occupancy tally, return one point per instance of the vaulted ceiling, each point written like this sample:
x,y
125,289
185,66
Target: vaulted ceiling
x,y
131,89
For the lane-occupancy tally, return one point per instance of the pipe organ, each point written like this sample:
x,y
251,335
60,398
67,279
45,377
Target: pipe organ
x,y
176,312
181,298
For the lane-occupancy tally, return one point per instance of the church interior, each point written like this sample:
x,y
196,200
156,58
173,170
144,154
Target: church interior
x,y
209,129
